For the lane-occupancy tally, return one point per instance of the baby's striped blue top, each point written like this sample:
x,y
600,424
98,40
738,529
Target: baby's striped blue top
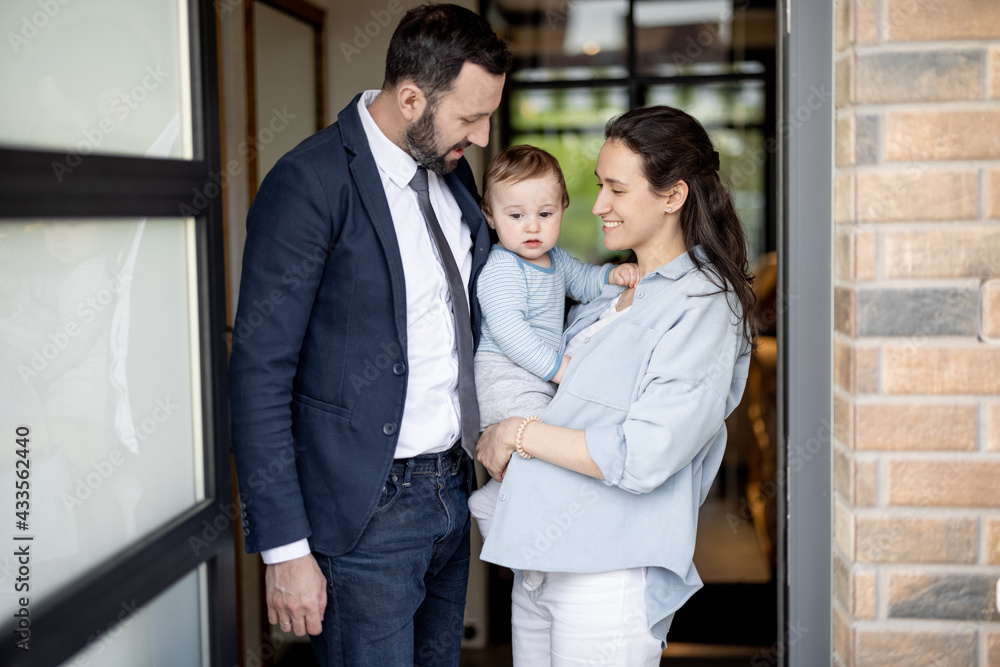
x,y
523,305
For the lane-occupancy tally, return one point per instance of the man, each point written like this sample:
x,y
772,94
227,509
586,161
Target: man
x,y
350,396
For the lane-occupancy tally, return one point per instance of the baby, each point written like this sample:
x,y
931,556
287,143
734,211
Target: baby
x,y
522,291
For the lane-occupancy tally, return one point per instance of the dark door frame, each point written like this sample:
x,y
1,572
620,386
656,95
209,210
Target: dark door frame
x,y
105,186
315,18
805,350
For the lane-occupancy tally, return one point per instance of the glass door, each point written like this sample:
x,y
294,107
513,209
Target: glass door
x,y
115,476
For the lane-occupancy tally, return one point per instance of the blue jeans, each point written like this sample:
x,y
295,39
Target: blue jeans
x,y
398,598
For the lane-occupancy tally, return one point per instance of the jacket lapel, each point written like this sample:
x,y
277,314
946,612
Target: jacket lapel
x,y
366,178
474,218
480,237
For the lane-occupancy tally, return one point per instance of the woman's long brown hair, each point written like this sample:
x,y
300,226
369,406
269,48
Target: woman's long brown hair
x,y
673,146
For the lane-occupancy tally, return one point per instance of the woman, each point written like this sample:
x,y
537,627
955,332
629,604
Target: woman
x,y
598,510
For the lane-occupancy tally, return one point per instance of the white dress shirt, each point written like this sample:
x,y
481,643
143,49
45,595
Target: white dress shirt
x,y
431,417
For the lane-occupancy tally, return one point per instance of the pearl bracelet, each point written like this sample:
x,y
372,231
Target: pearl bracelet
x,y
520,432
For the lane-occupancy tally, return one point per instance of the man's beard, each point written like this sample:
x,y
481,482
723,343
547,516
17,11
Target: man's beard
x,y
420,141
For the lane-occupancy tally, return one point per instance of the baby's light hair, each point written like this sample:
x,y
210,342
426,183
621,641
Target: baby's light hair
x,y
520,163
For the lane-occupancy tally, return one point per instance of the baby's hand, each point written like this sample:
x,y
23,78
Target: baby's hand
x,y
557,378
626,275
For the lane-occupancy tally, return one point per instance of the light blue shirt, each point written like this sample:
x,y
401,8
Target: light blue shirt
x,y
652,391
523,305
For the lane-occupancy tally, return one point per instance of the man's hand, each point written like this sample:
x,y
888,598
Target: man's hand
x,y
626,275
496,445
296,595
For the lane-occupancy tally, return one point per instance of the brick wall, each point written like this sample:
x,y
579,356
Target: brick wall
x,y
917,341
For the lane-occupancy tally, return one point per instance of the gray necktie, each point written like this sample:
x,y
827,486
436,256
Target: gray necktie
x,y
468,403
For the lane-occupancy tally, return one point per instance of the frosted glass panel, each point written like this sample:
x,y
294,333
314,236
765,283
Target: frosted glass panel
x,y
170,631
286,84
98,362
96,76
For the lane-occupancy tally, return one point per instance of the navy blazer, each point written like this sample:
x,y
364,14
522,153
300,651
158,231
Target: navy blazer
x,y
318,371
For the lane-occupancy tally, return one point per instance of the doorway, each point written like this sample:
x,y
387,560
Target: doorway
x,y
576,65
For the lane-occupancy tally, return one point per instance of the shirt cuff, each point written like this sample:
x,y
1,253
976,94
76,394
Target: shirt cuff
x,y
606,446
555,369
607,273
286,552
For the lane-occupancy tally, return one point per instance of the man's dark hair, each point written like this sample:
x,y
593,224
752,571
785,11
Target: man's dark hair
x,y
432,42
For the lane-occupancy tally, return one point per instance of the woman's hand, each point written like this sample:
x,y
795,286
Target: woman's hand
x,y
496,445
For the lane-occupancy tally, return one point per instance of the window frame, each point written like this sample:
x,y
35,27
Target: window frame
x,y
106,186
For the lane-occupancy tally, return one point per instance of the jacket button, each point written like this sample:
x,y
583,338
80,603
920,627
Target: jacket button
x,y
399,368
389,428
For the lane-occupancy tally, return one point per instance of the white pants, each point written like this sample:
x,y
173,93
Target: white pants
x,y
560,619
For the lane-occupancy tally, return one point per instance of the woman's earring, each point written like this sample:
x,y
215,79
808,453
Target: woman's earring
x,y
670,210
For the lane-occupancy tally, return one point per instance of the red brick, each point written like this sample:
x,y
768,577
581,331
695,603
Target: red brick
x,y
942,135
864,590
843,473
844,81
878,647
845,308
926,20
916,539
992,416
944,483
993,194
855,254
843,254
843,420
994,72
867,370
960,252
864,255
915,427
842,637
917,194
992,648
841,580
844,26
992,538
865,483
918,369
844,144
843,529
843,365
843,198
991,309
866,22
856,367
